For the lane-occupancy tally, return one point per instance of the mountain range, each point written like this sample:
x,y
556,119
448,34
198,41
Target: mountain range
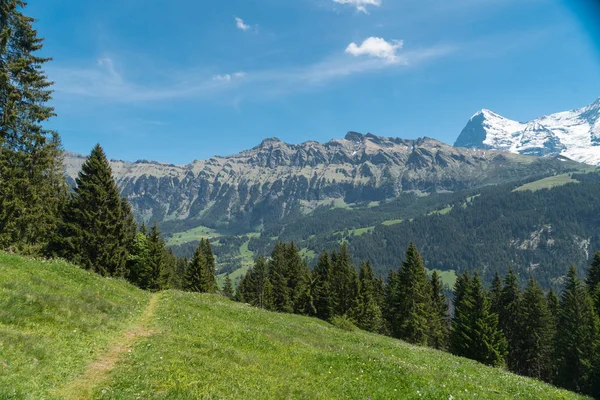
x,y
573,134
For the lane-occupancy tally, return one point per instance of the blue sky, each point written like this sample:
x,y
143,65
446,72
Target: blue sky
x,y
178,80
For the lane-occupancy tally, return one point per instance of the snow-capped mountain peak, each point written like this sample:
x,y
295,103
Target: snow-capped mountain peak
x,y
574,134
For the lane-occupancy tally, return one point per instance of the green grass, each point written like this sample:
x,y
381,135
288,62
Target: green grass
x,y
210,348
547,183
447,277
54,319
191,235
391,222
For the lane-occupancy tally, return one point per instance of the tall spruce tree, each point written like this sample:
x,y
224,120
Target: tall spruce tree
x,y
366,312
137,266
321,276
297,278
32,184
415,305
438,327
475,332
593,282
279,279
537,335
577,336
209,276
228,288
510,319
255,287
495,293
93,232
156,259
343,281
391,307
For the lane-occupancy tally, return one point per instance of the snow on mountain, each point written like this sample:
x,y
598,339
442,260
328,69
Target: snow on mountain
x,y
573,134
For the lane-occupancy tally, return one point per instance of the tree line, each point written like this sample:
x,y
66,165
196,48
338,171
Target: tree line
x,y
527,331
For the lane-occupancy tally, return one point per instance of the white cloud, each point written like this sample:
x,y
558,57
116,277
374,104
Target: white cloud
x,y
377,48
241,25
361,5
229,77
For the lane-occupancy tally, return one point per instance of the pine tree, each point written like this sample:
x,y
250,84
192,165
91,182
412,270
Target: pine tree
x,y
255,287
495,293
193,279
278,277
228,288
297,278
593,282
32,184
343,282
537,335
93,232
366,313
391,307
156,259
577,336
475,333
209,275
321,278
510,318
439,328
415,308
137,265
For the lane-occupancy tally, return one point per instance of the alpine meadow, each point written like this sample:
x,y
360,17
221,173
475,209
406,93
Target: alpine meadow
x,y
363,267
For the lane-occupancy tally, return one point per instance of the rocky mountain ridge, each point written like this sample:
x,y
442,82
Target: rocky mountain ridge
x,y
274,179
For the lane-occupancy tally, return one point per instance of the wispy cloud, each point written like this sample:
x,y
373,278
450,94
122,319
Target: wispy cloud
x,y
377,48
361,5
104,81
241,25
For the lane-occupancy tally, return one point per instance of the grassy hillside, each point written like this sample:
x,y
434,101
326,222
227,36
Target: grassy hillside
x,y
65,333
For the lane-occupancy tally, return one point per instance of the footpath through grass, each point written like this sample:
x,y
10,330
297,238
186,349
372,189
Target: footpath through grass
x,y
211,348
67,333
55,319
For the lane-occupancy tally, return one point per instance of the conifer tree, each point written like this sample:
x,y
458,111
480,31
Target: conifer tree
x,y
439,327
366,312
577,336
297,277
321,276
156,259
553,306
537,335
495,293
278,277
32,184
255,287
593,282
93,232
228,288
510,319
391,307
415,308
475,332
343,282
209,275
194,279
137,265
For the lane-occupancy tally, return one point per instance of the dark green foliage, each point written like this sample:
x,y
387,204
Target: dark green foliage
x,y
343,282
278,276
495,293
510,319
228,288
32,184
200,272
439,324
321,278
577,336
93,232
156,259
138,271
298,279
255,288
366,313
414,312
593,282
475,332
538,331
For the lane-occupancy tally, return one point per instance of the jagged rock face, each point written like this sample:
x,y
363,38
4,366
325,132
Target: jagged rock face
x,y
270,181
573,134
